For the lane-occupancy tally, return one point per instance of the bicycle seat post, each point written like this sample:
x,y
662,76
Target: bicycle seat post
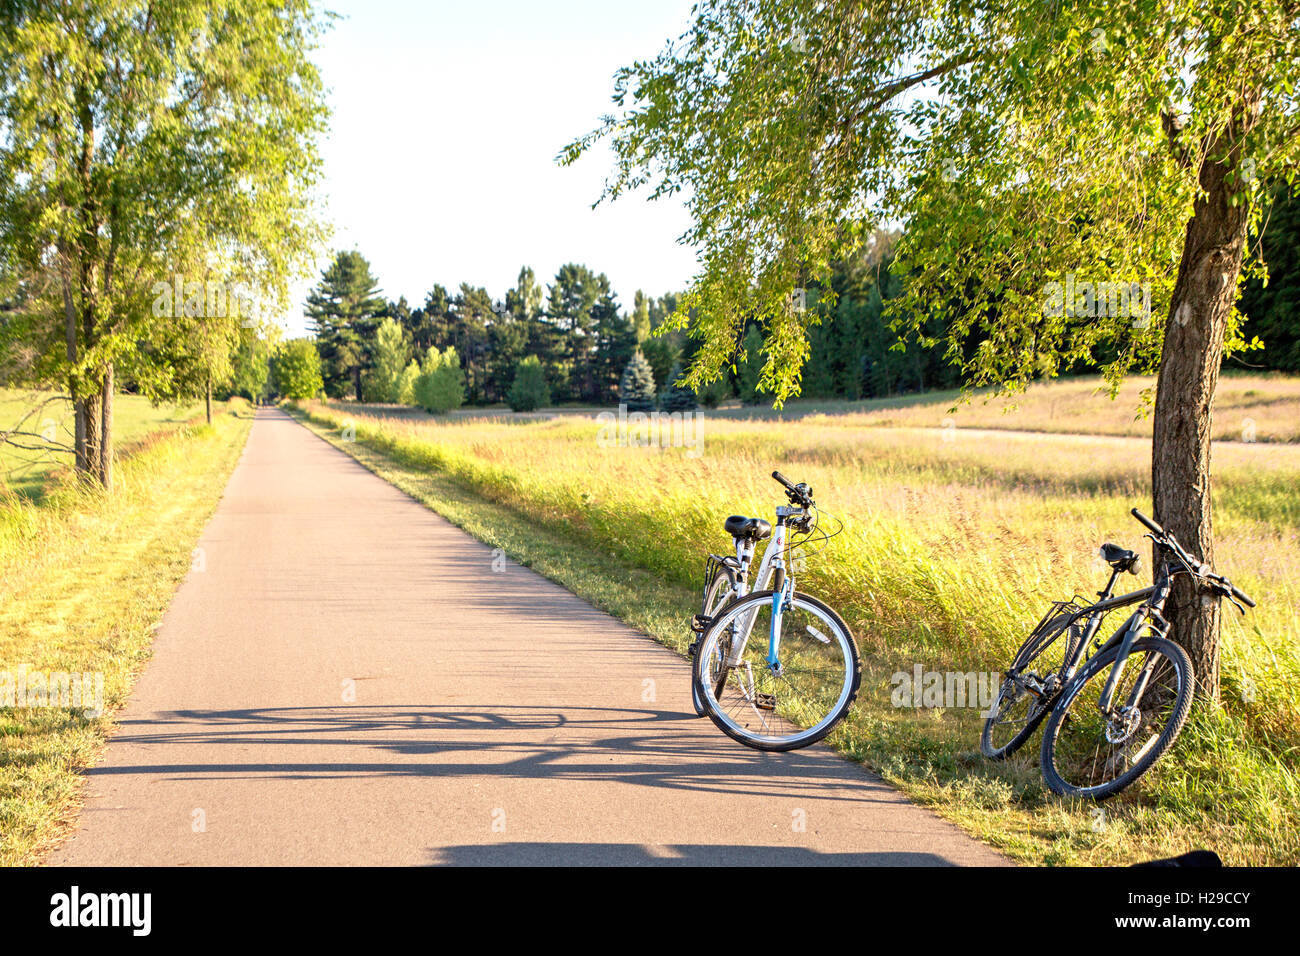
x,y
744,554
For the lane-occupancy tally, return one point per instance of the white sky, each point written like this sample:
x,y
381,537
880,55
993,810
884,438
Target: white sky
x,y
447,117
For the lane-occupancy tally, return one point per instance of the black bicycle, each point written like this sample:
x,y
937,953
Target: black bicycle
x,y
1112,709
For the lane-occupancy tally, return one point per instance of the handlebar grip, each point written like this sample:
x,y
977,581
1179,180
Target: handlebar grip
x,y
1155,528
1240,595
783,480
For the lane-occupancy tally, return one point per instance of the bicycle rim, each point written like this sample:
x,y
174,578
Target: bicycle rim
x,y
786,707
1025,699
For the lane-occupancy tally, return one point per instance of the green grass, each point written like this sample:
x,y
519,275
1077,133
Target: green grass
x,y
84,581
953,543
25,472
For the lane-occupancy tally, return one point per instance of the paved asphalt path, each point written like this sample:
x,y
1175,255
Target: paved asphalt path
x,y
349,681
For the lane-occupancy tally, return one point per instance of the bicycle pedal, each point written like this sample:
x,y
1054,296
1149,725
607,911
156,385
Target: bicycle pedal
x,y
765,701
700,623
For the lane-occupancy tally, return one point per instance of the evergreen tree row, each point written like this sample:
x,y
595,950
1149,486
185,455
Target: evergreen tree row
x,y
570,342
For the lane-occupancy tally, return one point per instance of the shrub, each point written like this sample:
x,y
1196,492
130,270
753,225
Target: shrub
x,y
440,387
529,390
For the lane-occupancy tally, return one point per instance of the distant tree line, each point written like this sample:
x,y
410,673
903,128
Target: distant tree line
x,y
570,342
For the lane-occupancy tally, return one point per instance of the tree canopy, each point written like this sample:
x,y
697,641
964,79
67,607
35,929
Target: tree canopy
x,y
144,142
1017,142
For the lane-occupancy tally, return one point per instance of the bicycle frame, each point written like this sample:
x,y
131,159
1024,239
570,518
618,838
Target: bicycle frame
x,y
772,565
1152,600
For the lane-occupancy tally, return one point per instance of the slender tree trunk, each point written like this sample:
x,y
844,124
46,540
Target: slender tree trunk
x,y
1203,296
208,399
106,431
74,383
356,380
92,420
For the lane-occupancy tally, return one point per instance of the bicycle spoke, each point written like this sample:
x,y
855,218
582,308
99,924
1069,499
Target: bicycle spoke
x,y
806,690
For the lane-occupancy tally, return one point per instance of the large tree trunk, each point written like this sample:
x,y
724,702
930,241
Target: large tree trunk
x,y
1189,373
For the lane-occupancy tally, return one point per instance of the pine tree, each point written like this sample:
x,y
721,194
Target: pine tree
x,y
406,384
637,389
677,398
343,309
383,383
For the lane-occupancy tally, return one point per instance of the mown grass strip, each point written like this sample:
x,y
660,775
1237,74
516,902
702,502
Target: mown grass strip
x,y
84,581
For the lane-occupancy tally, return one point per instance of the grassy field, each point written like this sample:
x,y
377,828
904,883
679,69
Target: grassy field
x,y
25,472
84,581
953,541
1249,408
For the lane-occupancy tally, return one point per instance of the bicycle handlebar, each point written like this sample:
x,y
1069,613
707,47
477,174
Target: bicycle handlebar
x,y
1239,594
799,493
1232,589
1155,528
1198,569
783,480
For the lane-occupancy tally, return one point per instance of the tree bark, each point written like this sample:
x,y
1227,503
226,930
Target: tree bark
x,y
106,431
92,421
1203,296
74,383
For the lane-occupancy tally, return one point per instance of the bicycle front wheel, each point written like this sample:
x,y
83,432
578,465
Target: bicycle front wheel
x,y
782,701
1094,754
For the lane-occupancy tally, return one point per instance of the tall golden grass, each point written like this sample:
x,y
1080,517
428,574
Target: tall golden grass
x,y
953,541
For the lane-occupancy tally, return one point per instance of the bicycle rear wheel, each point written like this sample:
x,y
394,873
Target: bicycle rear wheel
x,y
1029,688
718,593
1093,755
790,705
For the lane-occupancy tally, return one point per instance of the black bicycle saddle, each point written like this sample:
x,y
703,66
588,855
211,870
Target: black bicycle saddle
x,y
1121,559
756,529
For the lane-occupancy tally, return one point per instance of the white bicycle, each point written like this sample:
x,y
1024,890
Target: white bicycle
x,y
789,690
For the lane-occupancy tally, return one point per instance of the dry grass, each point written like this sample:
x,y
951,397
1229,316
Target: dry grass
x,y
953,541
84,580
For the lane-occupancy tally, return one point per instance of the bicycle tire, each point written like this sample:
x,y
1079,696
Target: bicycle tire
x,y
1034,646
1152,752
759,601
710,606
